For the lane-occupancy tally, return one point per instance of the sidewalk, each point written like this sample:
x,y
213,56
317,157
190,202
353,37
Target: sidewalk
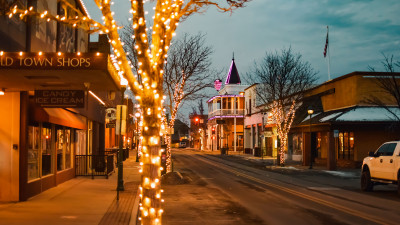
x,y
82,200
86,201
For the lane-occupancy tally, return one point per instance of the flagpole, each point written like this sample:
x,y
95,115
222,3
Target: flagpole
x,y
329,57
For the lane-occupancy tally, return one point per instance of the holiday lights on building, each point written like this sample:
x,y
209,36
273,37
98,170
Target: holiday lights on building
x,y
151,58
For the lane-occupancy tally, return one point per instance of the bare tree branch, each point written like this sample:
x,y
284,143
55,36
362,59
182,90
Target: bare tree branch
x,y
389,87
282,78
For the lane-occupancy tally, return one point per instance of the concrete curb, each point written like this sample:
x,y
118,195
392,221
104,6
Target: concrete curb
x,y
135,209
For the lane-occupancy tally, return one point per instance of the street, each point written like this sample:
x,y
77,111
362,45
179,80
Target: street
x,y
224,192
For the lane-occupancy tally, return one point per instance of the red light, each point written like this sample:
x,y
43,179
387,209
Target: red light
x,y
197,119
213,129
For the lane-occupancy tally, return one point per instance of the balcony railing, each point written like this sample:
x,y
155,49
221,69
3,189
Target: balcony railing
x,y
226,112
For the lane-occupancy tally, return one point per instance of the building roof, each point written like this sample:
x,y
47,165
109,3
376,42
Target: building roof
x,y
357,73
355,114
233,74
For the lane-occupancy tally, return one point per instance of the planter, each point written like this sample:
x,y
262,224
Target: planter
x,y
297,157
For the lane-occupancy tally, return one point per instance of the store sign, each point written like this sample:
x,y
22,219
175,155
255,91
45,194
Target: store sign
x,y
30,60
111,114
60,98
268,134
336,133
110,125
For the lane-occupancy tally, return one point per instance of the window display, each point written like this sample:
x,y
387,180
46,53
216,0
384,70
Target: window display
x,y
46,151
60,148
346,145
33,152
68,155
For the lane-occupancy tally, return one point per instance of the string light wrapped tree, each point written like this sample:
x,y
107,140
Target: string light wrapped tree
x,y
151,58
282,80
186,74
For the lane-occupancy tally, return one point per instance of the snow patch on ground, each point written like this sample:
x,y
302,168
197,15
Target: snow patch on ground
x,y
286,167
341,173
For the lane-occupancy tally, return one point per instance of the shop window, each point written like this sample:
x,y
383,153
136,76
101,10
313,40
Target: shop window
x,y
346,145
318,144
60,148
33,152
229,103
297,144
80,142
46,151
68,150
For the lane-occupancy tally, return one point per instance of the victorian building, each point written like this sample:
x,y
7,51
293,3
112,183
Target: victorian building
x,y
226,113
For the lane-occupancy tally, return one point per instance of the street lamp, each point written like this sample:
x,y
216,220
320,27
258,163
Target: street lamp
x,y
310,111
137,115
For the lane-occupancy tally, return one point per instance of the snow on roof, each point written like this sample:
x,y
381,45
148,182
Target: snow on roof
x,y
326,118
312,116
369,114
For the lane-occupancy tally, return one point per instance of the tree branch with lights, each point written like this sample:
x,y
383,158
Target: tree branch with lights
x,y
151,58
282,78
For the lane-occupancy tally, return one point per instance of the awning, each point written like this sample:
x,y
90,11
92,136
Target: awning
x,y
59,116
51,71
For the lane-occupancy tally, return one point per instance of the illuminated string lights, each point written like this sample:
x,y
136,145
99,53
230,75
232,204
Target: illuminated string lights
x,y
177,99
166,18
283,123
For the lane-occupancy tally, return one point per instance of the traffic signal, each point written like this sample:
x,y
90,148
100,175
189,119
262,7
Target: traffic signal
x,y
213,130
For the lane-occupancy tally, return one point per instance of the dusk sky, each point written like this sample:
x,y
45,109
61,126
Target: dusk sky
x,y
359,31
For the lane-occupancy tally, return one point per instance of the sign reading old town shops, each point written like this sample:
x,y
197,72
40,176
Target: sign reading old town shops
x,y
57,61
60,98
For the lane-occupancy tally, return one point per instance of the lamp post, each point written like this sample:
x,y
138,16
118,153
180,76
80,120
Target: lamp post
x,y
137,115
310,111
120,185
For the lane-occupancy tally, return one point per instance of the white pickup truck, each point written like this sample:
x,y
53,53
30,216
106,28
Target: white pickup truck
x,y
382,166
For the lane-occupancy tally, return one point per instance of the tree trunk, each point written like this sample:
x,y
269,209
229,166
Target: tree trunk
x,y
282,150
151,173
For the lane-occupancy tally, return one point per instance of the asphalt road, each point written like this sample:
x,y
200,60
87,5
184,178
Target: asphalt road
x,y
217,191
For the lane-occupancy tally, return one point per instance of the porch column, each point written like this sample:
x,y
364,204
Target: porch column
x,y
234,139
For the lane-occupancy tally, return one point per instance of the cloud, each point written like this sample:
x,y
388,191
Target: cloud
x,y
359,31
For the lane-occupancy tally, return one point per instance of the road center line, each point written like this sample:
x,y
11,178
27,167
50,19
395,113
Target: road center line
x,y
299,194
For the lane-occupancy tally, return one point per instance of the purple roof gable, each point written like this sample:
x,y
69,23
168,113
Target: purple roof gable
x,y
233,75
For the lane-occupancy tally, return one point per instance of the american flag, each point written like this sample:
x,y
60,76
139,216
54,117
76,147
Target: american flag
x,y
327,42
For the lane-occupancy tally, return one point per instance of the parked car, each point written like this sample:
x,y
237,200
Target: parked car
x,y
382,167
182,144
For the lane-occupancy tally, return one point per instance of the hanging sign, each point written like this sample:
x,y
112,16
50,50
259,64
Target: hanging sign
x,y
53,61
60,98
217,84
335,133
121,120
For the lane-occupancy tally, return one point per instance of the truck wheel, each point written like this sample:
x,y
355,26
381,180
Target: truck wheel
x,y
398,185
366,183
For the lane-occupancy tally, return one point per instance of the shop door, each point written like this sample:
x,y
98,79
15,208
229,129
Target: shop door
x,y
314,151
268,145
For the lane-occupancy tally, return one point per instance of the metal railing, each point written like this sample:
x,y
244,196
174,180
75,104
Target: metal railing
x,y
94,165
116,150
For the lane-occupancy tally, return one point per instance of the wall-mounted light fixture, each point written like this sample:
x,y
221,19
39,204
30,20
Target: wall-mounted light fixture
x,y
2,91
